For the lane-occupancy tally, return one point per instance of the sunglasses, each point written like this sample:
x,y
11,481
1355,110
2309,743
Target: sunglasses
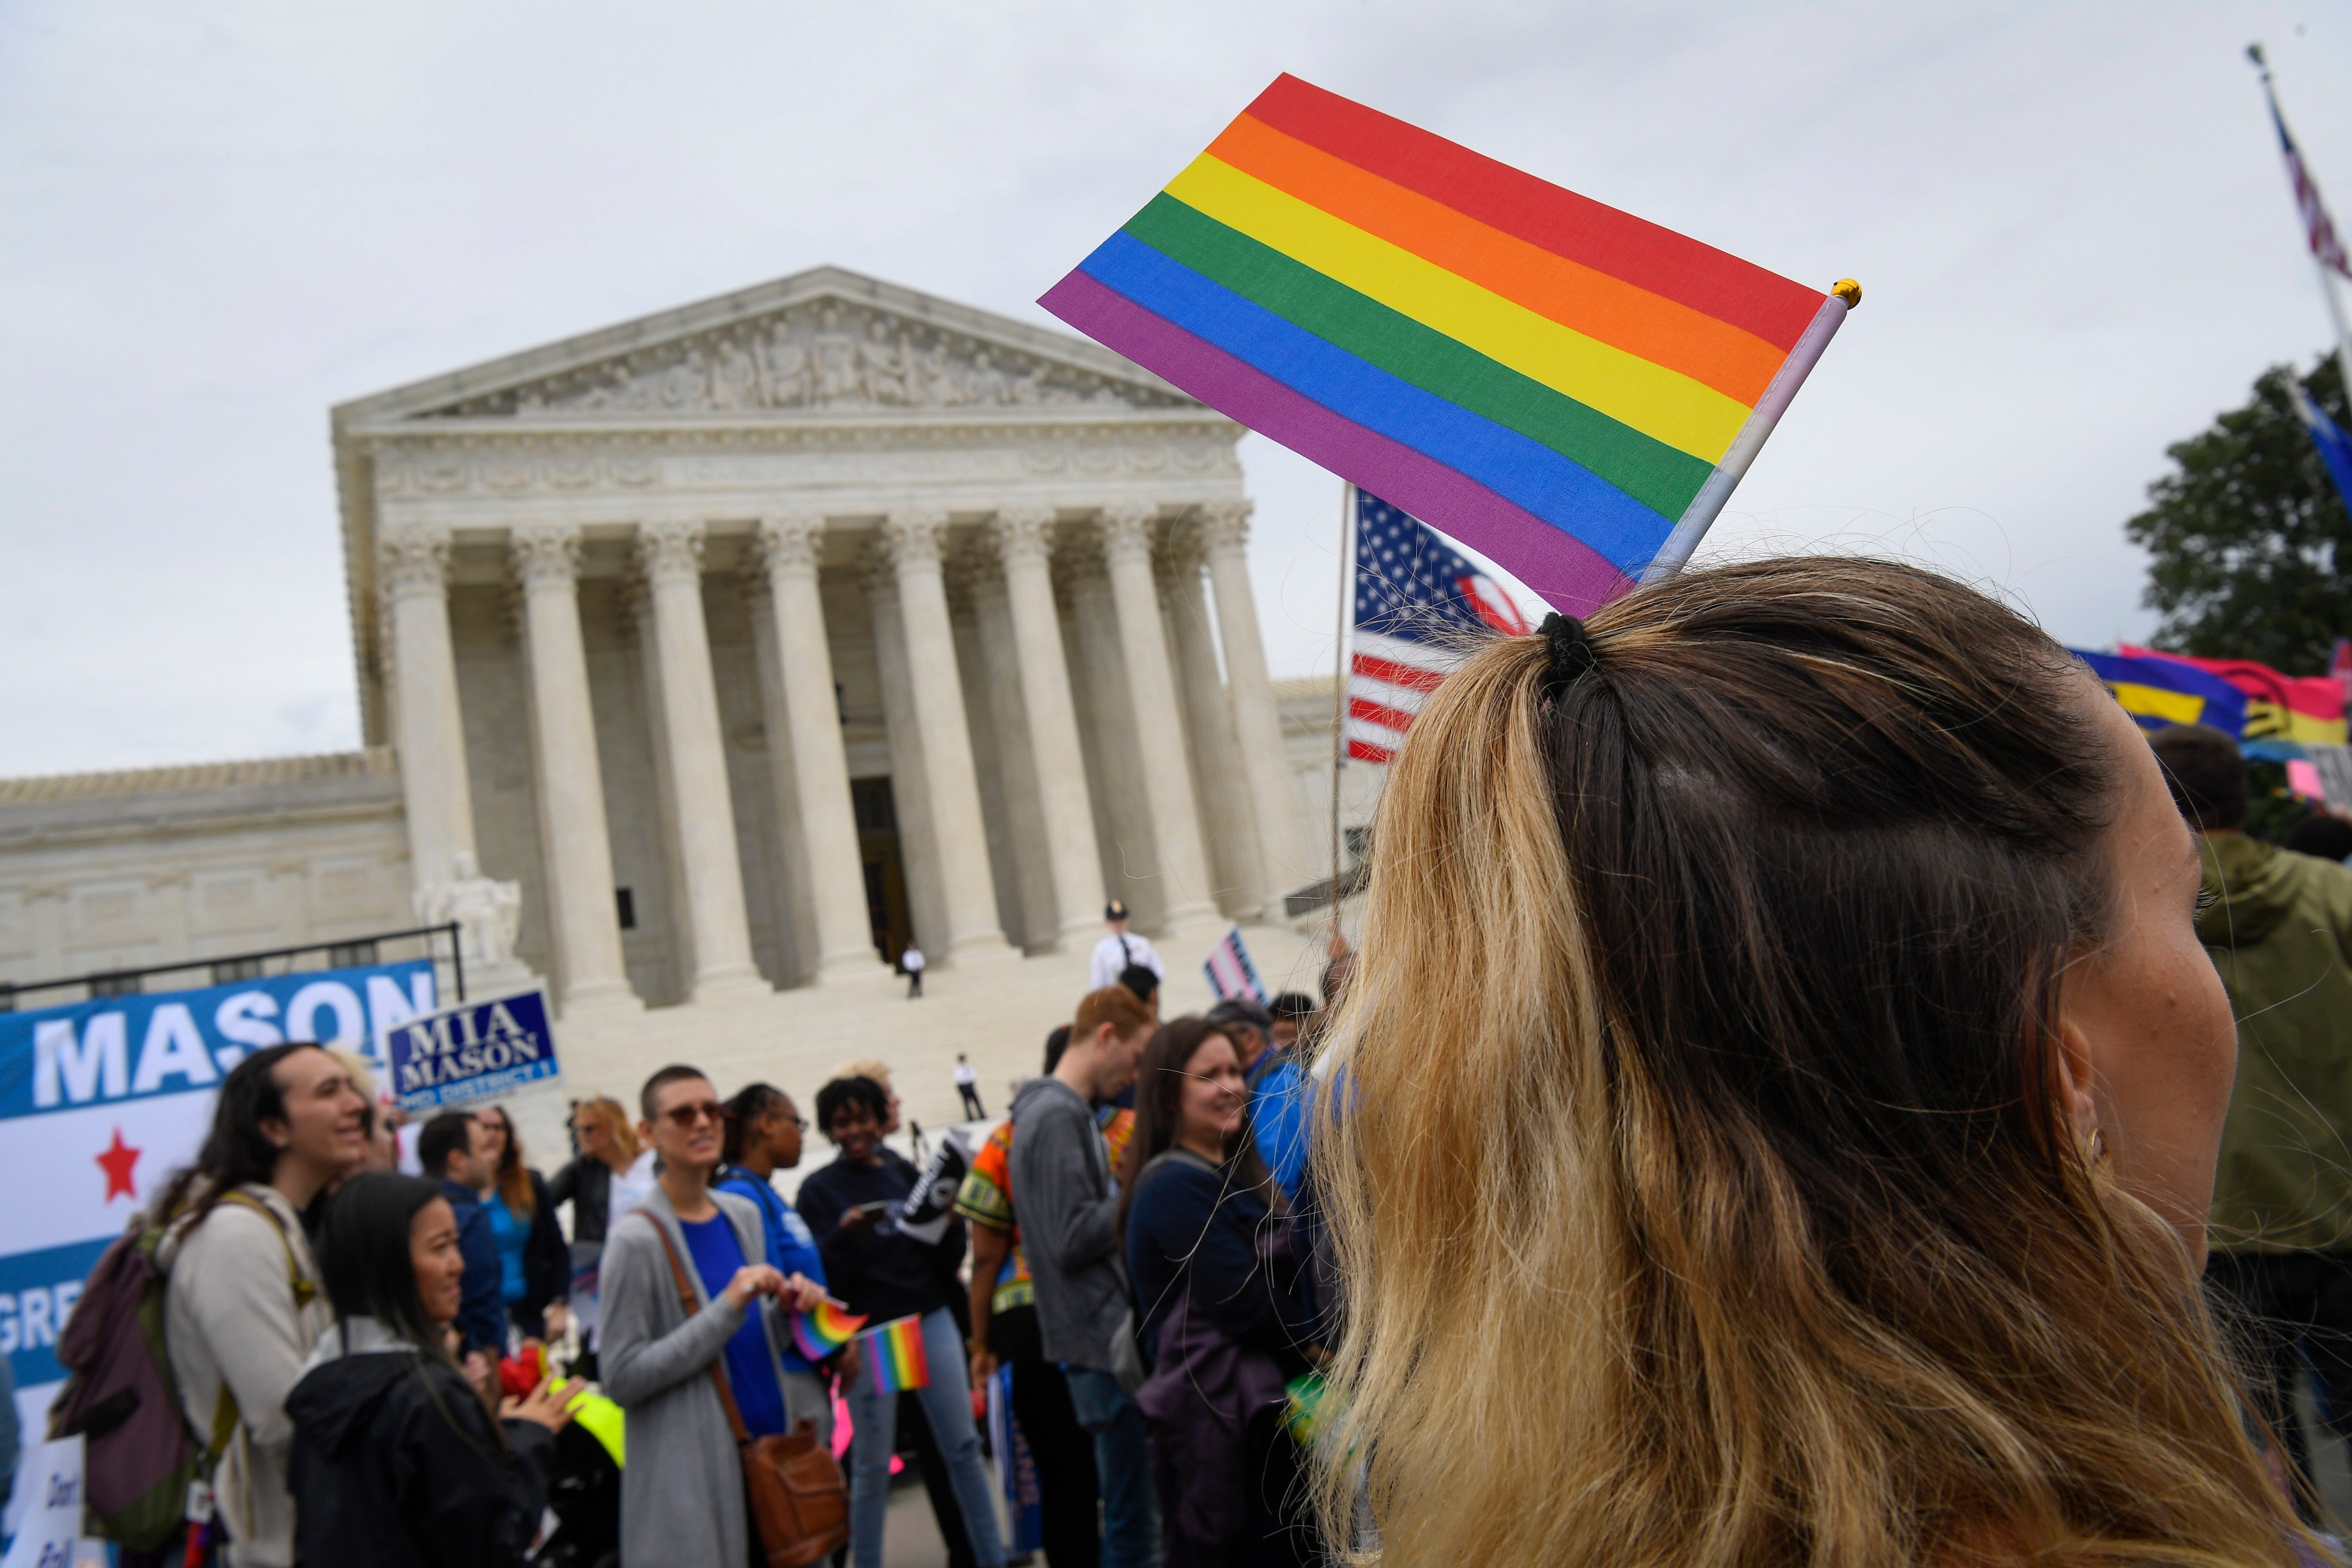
x,y
686,1117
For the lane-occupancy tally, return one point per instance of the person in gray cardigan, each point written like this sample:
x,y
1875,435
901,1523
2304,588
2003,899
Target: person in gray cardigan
x,y
1068,1201
682,1490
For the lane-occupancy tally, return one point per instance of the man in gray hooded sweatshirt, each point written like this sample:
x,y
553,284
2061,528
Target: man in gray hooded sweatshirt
x,y
1067,1198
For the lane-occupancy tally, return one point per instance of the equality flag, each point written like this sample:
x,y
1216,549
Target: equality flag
x,y
2308,710
2335,446
2157,692
1565,388
1421,608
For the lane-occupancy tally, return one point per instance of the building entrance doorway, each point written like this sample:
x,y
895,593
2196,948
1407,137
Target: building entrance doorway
x,y
886,873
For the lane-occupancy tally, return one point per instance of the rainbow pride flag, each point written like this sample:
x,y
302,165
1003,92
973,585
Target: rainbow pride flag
x,y
1560,385
820,1332
894,1356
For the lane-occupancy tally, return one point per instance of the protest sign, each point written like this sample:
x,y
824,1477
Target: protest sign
x,y
49,1531
100,1100
472,1052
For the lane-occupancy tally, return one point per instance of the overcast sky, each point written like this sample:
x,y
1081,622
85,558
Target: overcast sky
x,y
221,219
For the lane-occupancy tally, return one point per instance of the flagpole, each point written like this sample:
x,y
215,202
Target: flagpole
x,y
2326,282
1339,677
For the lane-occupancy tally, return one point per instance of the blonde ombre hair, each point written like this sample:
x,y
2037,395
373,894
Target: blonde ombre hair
x,y
1694,1165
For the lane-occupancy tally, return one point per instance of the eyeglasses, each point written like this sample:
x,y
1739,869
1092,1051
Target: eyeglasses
x,y
686,1117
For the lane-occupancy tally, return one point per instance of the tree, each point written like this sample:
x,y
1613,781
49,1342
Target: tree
x,y
2252,548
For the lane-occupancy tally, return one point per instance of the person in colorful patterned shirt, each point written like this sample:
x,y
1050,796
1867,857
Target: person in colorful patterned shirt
x,y
1004,1333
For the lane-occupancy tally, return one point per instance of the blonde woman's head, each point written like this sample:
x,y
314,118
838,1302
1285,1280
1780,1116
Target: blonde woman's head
x,y
1780,1091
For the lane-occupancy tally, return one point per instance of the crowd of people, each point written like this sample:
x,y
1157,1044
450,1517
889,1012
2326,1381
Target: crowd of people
x,y
1817,1086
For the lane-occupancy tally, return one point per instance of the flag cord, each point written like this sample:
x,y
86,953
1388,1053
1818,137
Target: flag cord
x,y
1340,680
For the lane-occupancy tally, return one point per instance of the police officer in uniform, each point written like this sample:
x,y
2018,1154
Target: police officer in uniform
x,y
1116,952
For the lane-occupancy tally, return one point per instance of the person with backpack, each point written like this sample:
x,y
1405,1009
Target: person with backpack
x,y
242,1307
397,1461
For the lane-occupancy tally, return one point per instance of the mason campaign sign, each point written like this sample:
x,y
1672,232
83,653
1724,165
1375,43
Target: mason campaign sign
x,y
102,1100
472,1052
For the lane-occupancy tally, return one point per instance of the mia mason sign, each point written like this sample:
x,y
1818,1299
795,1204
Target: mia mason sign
x,y
472,1052
102,1100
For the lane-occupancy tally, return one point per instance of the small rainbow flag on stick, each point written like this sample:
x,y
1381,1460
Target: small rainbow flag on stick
x,y
894,1356
1560,385
825,1330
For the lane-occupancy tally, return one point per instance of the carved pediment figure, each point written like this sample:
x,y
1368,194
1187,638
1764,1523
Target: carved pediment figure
x,y
831,355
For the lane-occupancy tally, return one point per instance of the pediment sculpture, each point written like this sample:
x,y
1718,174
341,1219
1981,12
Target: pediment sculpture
x,y
823,356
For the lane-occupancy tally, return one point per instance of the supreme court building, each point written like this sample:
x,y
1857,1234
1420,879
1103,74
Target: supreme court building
x,y
735,648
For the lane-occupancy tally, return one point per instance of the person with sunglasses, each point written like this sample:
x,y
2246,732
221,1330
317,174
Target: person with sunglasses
x,y
682,1490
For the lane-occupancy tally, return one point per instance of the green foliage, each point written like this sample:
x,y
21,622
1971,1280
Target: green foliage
x,y
2251,547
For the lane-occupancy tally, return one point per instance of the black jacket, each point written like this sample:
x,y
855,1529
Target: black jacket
x,y
587,1185
384,1477
546,1261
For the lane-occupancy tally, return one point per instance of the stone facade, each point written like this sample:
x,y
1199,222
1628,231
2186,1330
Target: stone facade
x,y
747,642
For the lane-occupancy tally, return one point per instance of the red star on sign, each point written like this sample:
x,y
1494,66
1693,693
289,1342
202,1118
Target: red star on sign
x,y
117,1163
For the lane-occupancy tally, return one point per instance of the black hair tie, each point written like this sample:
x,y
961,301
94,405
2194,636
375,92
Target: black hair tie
x,y
1572,652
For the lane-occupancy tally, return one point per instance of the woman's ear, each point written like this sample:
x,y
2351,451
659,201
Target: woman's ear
x,y
2075,1094
276,1131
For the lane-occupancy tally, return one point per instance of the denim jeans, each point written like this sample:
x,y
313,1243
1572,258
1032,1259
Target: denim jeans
x,y
947,1403
1122,1467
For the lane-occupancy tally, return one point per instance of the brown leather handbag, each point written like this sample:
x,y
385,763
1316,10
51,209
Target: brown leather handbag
x,y
799,1503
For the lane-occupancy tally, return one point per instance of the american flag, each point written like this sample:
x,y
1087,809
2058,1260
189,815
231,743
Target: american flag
x,y
1419,605
2318,227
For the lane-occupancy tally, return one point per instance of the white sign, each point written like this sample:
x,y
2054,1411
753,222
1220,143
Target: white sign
x,y
48,1533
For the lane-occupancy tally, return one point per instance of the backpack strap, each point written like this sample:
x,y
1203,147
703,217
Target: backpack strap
x,y
306,1289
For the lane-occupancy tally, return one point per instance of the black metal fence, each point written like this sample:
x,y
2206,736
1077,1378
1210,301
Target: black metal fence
x,y
439,943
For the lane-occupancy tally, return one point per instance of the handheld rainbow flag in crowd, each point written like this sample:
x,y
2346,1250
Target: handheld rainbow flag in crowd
x,y
894,1356
1569,390
2305,709
818,1333
2161,691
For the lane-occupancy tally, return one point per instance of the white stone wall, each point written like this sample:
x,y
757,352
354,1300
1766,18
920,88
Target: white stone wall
x,y
106,871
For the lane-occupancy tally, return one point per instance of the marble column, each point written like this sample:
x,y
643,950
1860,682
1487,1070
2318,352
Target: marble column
x,y
1023,542
413,572
569,780
670,555
959,831
1024,859
1219,782
832,875
909,797
1257,721
1160,722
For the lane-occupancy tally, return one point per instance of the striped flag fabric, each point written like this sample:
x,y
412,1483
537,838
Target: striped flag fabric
x,y
2157,692
894,1356
1421,606
1570,391
2305,709
1231,973
2318,228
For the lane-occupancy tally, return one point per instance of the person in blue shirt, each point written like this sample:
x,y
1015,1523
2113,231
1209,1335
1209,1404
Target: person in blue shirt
x,y
764,1136
450,1150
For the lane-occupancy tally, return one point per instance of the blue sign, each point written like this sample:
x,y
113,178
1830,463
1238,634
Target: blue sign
x,y
101,1102
474,1052
120,1048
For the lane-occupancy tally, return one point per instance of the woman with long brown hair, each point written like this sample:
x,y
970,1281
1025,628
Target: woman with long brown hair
x,y
535,1265
1223,1315
1774,1109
